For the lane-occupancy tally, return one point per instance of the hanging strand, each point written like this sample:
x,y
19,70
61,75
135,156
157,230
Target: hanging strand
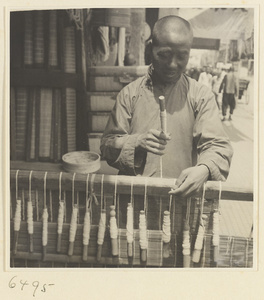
x,y
216,227
73,224
93,196
17,184
200,235
166,233
143,240
60,216
113,224
113,231
45,216
30,215
87,221
146,197
130,224
163,120
17,218
186,245
166,230
102,223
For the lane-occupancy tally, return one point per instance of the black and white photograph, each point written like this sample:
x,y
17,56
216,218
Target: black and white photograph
x,y
132,142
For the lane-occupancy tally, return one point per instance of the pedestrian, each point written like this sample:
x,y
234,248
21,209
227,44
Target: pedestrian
x,y
206,77
196,148
216,82
229,88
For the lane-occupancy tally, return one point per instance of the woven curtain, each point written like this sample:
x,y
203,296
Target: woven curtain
x,y
21,123
53,42
28,45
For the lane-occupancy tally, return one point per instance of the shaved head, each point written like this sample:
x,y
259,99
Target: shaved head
x,y
171,43
170,24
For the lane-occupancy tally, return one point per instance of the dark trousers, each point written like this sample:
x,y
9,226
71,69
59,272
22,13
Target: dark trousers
x,y
228,100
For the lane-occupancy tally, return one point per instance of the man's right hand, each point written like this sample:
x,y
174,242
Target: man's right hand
x,y
153,141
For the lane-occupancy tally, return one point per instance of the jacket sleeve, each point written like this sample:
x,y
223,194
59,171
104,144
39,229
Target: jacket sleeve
x,y
222,85
118,146
213,146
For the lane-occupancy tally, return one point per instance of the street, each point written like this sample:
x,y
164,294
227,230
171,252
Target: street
x,y
237,216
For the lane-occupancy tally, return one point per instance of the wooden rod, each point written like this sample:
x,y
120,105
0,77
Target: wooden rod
x,y
156,186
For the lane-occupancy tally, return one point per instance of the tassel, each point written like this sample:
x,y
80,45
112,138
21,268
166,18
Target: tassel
x,y
143,242
17,222
129,230
73,229
166,234
60,224
101,233
45,231
86,234
30,224
113,231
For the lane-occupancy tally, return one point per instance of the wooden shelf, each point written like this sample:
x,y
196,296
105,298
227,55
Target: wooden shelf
x,y
44,78
55,167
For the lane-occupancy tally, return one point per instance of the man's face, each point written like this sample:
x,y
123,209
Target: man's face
x,y
170,56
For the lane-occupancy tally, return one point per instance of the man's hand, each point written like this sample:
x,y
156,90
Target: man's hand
x,y
190,181
153,141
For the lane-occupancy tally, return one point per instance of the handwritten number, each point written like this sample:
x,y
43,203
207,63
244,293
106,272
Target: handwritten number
x,y
44,289
36,285
23,284
12,284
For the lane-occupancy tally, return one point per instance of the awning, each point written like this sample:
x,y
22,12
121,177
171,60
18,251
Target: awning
x,y
224,23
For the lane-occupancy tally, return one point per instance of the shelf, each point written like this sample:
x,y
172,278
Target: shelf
x,y
44,78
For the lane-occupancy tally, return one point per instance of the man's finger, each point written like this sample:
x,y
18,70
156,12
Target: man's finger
x,y
180,180
183,191
154,150
160,134
151,137
155,145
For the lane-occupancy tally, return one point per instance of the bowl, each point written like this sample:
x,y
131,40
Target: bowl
x,y
81,162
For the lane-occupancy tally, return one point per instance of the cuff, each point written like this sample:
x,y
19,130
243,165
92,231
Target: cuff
x,y
214,173
127,156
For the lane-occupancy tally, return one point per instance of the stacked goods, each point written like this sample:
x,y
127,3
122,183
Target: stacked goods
x,y
119,234
43,86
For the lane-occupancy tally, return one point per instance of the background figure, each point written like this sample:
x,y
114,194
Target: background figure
x,y
229,88
206,77
193,73
216,82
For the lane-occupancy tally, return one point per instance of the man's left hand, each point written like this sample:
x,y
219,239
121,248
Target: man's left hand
x,y
190,181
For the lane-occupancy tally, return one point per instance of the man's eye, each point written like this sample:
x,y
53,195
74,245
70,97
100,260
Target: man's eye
x,y
182,56
164,55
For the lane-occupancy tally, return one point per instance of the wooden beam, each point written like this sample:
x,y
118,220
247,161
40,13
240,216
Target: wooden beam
x,y
44,78
155,186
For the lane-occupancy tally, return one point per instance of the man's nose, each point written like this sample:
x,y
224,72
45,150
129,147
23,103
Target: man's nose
x,y
173,62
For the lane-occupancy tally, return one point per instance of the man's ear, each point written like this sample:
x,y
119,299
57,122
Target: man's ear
x,y
148,52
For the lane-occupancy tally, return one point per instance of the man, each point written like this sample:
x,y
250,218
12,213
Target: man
x,y
229,88
206,77
196,148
